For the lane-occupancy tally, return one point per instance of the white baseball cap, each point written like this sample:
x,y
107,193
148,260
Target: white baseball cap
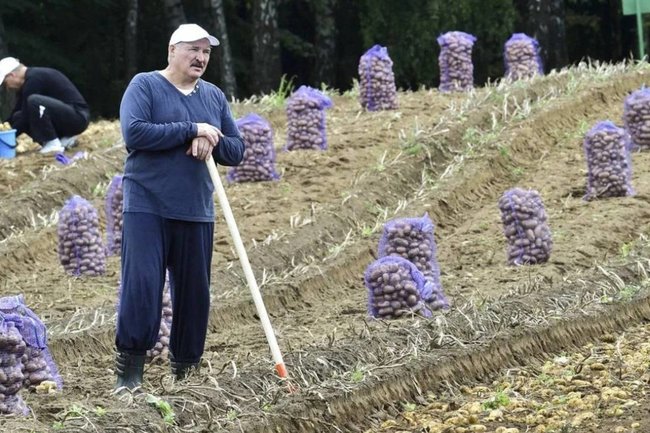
x,y
191,33
7,65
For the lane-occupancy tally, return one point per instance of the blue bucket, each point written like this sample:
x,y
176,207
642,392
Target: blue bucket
x,y
8,144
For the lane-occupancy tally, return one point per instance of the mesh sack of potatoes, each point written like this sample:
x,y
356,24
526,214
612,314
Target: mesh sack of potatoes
x,y
525,227
455,61
259,157
81,250
413,239
160,350
12,349
38,364
306,119
377,89
636,115
521,55
609,165
113,208
396,288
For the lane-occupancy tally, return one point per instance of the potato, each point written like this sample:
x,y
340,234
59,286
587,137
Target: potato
x,y
37,370
377,89
607,150
14,405
306,119
31,341
383,276
522,59
79,224
259,156
455,61
11,368
525,227
161,349
413,239
113,208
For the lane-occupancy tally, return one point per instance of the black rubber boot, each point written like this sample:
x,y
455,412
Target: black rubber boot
x,y
129,369
181,370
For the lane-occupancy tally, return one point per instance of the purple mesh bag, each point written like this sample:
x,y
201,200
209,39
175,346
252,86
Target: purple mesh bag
x,y
413,239
113,209
306,119
259,157
160,350
81,250
377,89
38,364
521,56
607,149
396,288
12,349
455,61
525,227
636,115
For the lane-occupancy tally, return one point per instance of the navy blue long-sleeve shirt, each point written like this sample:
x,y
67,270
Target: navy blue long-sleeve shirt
x,y
158,124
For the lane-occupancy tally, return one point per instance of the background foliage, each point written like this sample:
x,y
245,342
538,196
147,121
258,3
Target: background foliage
x,y
85,38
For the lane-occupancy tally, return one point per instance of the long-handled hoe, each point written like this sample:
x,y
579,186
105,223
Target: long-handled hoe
x,y
248,271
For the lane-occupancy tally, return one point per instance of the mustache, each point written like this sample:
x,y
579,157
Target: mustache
x,y
199,64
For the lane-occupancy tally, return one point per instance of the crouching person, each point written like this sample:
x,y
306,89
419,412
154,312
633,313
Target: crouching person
x,y
49,108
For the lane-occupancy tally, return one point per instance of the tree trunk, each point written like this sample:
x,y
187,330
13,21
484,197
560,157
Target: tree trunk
x,y
612,27
7,97
131,40
4,49
175,14
226,67
266,46
545,21
325,41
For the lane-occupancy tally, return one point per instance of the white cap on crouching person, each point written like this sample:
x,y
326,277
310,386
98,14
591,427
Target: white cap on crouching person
x,y
191,33
7,65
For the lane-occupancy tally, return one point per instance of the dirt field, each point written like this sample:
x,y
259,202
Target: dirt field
x,y
311,235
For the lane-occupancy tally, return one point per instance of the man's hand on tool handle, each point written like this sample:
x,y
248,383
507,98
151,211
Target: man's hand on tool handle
x,y
206,140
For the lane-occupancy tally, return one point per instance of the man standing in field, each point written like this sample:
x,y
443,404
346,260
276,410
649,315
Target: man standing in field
x,y
172,121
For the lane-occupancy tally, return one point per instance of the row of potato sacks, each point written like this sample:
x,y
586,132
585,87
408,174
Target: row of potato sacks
x,y
609,148
520,55
82,252
377,90
406,278
608,153
609,172
305,108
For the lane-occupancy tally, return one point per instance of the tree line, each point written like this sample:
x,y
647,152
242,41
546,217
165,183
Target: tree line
x,y
101,44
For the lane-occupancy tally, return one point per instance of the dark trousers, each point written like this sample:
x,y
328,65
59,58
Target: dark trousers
x,y
150,245
55,120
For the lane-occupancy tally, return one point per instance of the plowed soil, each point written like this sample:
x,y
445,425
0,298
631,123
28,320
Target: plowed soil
x,y
311,235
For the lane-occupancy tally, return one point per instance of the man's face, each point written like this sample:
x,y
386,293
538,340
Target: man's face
x,y
190,58
12,81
